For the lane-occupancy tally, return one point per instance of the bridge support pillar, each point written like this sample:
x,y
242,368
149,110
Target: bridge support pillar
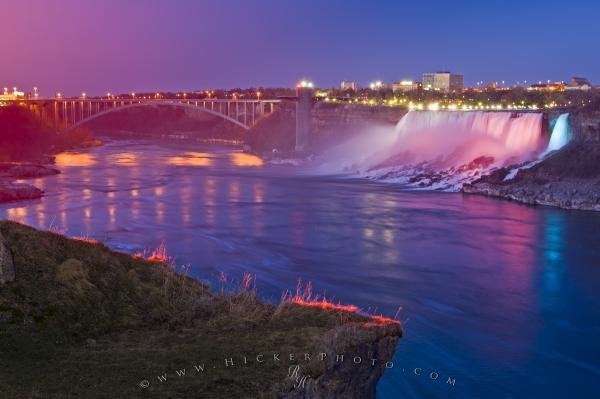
x,y
304,105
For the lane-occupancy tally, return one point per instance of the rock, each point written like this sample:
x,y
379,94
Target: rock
x,y
7,266
355,375
18,191
25,170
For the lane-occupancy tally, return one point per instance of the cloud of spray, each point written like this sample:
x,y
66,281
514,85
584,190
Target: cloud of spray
x,y
354,154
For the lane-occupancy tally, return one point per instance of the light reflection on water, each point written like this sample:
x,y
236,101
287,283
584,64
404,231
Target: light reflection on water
x,y
243,159
70,159
505,298
190,159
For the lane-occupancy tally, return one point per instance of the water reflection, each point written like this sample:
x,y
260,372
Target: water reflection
x,y
494,291
554,242
17,214
124,159
190,159
112,215
66,159
244,159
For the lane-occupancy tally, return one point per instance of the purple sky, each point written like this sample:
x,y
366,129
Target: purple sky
x,y
146,45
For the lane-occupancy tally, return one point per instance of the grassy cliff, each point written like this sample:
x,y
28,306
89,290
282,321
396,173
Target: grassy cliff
x,y
80,320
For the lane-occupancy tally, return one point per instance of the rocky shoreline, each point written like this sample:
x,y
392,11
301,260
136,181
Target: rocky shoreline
x,y
13,191
573,194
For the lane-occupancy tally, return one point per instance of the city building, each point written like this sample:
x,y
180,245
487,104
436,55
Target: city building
x,y
556,86
443,81
349,85
578,83
404,86
11,96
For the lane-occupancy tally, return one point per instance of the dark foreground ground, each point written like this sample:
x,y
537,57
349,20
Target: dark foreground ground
x,y
79,320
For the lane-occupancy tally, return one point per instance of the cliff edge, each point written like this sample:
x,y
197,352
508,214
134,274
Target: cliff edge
x,y
80,320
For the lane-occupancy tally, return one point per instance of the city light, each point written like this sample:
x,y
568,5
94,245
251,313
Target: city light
x,y
305,84
376,85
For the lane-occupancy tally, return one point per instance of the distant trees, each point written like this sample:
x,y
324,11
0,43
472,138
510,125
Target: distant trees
x,y
23,136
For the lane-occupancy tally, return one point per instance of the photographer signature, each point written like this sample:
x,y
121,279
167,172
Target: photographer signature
x,y
299,379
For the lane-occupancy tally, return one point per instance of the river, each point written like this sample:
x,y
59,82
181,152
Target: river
x,y
502,298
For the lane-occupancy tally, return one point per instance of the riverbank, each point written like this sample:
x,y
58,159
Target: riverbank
x,y
12,191
79,320
568,178
27,146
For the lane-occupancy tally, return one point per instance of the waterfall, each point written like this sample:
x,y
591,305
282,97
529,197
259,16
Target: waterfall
x,y
561,133
459,137
441,149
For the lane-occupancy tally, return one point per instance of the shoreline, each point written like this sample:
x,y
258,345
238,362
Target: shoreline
x,y
16,191
34,168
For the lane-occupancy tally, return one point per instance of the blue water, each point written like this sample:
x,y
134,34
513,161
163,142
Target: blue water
x,y
500,297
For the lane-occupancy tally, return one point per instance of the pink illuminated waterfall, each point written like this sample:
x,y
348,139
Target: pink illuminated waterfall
x,y
442,150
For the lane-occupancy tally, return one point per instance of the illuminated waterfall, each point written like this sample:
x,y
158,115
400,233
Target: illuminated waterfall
x,y
441,150
458,137
561,133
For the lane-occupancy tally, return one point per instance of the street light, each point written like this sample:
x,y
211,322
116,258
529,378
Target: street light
x,y
258,93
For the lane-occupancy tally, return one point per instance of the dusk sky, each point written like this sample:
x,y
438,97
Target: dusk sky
x,y
122,46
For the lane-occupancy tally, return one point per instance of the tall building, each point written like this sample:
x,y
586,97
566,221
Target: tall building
x,y
349,85
443,81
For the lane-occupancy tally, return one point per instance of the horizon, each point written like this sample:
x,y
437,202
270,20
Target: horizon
x,y
75,47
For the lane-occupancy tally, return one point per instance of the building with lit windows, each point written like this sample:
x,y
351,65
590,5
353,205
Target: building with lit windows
x,y
12,95
443,81
348,85
556,86
404,86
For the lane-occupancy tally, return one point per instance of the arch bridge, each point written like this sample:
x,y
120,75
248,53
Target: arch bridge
x,y
66,114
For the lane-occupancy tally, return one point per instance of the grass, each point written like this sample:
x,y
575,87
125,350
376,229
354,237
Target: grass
x,y
83,321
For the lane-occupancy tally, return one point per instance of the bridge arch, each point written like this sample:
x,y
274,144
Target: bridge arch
x,y
175,104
